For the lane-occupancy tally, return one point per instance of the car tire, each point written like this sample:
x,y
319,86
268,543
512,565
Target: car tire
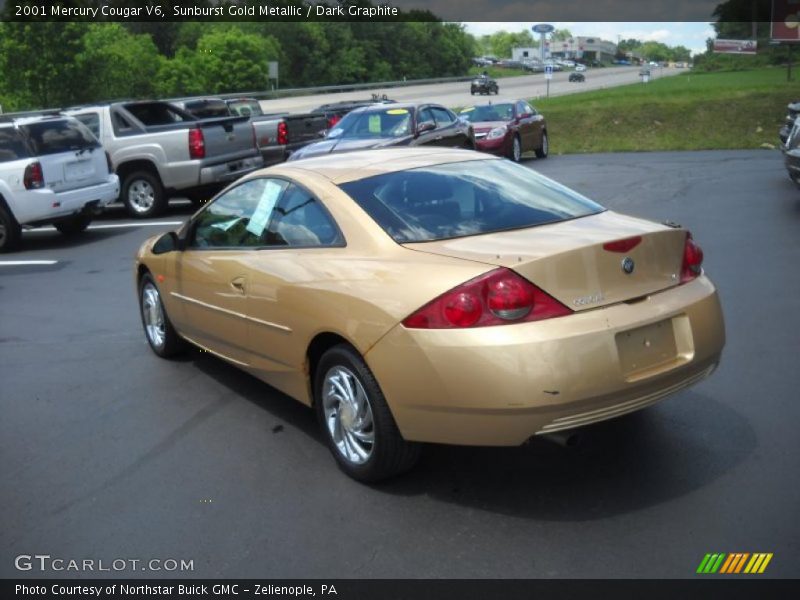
x,y
356,422
10,231
471,92
143,195
542,151
73,225
158,329
496,91
516,150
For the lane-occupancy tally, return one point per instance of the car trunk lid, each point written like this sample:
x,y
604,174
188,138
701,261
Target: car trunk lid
x,y
584,263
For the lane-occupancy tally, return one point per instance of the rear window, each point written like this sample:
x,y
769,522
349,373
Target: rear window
x,y
205,109
53,137
465,198
157,113
245,108
12,146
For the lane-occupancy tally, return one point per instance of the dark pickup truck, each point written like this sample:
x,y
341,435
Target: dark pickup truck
x,y
277,135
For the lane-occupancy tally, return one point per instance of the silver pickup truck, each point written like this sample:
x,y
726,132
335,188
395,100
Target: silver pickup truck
x,y
159,150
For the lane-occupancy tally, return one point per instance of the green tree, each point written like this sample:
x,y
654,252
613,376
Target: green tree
x,y
39,58
561,35
116,64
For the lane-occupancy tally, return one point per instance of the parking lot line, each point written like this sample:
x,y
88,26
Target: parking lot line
x,y
16,263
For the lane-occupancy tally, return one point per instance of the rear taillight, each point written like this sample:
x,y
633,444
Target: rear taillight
x,y
33,179
283,134
500,297
333,120
197,144
108,163
692,260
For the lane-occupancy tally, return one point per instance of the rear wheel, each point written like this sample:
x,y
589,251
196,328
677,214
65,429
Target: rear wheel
x,y
143,195
74,225
158,329
10,231
541,151
356,421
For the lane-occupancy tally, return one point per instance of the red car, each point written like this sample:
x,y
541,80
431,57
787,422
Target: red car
x,y
508,129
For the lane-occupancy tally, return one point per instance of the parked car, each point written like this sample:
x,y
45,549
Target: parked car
x,y
381,126
508,129
334,111
159,150
792,110
423,295
580,68
791,153
484,85
579,77
534,67
53,171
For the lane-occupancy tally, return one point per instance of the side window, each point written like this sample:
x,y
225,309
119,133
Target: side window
x,y
443,116
300,220
530,109
239,218
425,116
121,124
12,146
521,109
92,121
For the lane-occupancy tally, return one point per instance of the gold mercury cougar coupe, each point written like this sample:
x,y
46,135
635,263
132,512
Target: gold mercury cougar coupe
x,y
430,295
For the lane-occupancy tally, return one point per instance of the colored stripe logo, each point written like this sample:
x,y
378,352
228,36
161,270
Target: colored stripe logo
x,y
735,563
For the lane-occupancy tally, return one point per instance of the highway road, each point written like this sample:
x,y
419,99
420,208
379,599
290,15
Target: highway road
x,y
456,94
109,452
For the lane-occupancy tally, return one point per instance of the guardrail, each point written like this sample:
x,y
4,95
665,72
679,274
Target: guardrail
x,y
328,89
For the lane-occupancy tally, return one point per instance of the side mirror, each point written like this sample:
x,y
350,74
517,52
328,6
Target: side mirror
x,y
169,242
425,126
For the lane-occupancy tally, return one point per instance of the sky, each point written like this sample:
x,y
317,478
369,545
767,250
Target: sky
x,y
693,35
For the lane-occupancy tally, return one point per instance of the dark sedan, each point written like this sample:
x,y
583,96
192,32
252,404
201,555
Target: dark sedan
x,y
579,77
508,129
484,85
381,126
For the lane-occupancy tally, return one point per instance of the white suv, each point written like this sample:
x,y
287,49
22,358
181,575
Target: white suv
x,y
53,171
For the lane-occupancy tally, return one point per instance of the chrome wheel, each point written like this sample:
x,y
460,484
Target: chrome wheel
x,y
516,150
545,147
141,195
348,415
153,315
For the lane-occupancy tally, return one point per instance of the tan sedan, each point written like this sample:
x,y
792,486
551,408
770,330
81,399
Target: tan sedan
x,y
429,295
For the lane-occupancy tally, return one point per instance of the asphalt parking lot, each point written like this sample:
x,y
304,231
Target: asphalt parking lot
x,y
109,452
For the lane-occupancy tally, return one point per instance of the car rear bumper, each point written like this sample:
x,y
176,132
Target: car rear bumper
x,y
230,171
498,386
45,205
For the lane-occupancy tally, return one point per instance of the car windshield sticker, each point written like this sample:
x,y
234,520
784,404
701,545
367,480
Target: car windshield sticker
x,y
260,218
374,123
397,111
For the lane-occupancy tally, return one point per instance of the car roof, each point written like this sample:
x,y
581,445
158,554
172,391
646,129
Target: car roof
x,y
352,166
394,106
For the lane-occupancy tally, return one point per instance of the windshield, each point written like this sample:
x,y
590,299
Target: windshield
x,y
375,123
465,198
488,112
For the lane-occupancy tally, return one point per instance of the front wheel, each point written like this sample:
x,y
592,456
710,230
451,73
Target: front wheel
x,y
158,329
516,150
356,421
73,225
541,151
143,195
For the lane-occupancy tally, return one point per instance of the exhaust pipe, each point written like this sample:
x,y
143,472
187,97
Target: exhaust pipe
x,y
566,439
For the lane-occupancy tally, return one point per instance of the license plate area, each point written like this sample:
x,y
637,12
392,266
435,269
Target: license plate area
x,y
647,350
78,170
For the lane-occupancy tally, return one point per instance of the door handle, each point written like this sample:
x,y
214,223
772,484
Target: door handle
x,y
238,284
437,138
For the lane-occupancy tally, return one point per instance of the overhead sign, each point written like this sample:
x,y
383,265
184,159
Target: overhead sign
x,y
735,46
785,21
543,28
